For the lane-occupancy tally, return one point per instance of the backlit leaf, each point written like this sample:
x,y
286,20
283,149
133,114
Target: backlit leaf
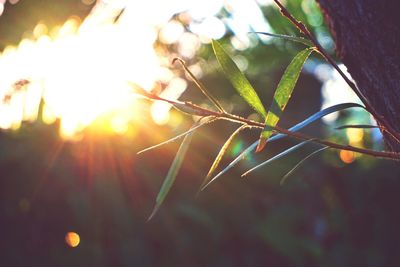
x,y
221,154
278,156
316,116
282,95
172,173
237,79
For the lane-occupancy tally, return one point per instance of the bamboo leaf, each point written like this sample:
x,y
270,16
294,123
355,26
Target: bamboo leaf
x,y
358,126
278,156
316,116
300,163
172,173
283,94
289,38
238,79
221,153
192,129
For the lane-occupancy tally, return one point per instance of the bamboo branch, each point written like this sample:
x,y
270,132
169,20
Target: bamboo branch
x,y
237,119
303,29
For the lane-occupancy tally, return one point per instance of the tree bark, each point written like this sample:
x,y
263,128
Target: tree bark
x,y
367,35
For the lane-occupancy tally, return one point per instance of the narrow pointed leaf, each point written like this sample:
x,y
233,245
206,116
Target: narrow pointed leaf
x,y
300,163
358,126
316,116
192,129
278,156
221,153
172,173
237,79
282,95
289,38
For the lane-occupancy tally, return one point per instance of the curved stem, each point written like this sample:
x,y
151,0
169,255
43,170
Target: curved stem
x,y
199,84
234,118
303,29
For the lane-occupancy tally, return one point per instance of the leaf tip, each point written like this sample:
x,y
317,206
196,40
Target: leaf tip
x,y
153,213
207,184
261,145
204,183
203,187
140,152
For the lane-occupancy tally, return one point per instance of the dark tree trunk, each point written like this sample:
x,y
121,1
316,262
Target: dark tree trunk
x,y
367,34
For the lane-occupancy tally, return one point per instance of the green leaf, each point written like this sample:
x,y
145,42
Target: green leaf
x,y
172,173
301,162
237,79
316,116
278,156
289,38
221,153
282,95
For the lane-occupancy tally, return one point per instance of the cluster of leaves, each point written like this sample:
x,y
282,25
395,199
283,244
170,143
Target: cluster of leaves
x,y
245,89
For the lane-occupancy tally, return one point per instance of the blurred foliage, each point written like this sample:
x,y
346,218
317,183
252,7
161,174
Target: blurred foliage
x,y
19,19
327,214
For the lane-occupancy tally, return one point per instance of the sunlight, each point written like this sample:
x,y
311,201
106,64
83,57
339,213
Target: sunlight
x,y
81,69
84,70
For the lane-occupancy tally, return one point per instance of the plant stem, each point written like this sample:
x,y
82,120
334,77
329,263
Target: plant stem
x,y
234,118
380,119
380,154
199,84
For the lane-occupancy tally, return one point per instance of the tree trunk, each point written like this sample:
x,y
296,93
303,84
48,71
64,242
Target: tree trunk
x,y
367,34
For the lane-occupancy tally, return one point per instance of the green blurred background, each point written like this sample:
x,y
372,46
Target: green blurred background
x,y
329,213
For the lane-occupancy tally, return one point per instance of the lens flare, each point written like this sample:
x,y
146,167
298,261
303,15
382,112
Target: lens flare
x,y
83,69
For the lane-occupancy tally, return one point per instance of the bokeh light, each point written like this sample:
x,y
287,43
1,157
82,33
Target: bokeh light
x,y
72,239
355,136
347,156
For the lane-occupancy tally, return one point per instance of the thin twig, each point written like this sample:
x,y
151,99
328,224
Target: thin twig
x,y
199,84
192,129
303,29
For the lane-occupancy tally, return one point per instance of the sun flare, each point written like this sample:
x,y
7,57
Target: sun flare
x,y
83,69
